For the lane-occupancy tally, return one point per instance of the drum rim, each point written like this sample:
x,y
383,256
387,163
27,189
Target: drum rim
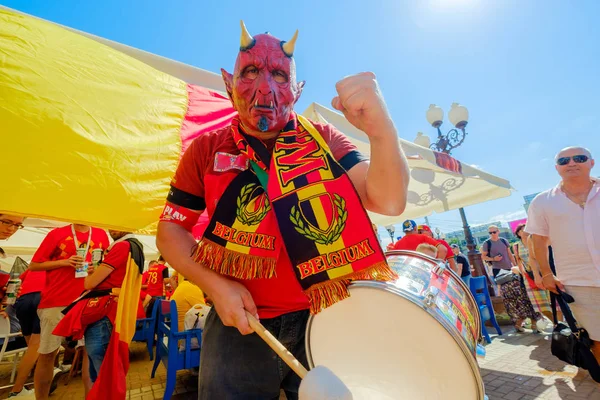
x,y
471,358
454,274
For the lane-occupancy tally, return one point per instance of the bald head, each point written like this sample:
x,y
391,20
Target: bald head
x,y
574,164
573,150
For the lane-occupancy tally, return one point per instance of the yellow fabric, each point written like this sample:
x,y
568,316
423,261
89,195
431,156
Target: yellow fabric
x,y
186,296
75,113
128,301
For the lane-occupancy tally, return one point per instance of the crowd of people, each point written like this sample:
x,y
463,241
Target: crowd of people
x,y
58,306
261,190
557,250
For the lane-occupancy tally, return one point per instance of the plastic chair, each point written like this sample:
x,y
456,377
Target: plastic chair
x,y
167,345
480,292
17,353
145,329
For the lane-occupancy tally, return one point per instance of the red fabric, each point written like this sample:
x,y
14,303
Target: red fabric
x,y
201,225
111,382
179,215
207,112
450,254
117,259
140,311
195,175
84,313
61,285
155,280
411,242
33,281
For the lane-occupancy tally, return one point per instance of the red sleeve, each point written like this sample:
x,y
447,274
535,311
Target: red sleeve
x,y
44,252
189,178
341,147
450,254
145,278
117,256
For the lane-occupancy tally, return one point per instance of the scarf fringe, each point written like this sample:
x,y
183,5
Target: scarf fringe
x,y
234,264
325,294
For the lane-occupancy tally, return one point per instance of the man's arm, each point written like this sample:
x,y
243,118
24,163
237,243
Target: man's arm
x,y
381,183
442,251
97,275
230,298
540,248
73,261
453,265
461,267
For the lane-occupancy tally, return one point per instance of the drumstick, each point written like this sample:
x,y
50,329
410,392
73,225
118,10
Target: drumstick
x,y
277,347
318,384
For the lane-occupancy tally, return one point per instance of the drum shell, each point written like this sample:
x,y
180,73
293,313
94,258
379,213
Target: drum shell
x,y
420,299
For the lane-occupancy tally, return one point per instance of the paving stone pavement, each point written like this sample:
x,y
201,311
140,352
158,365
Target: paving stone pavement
x,y
517,366
520,366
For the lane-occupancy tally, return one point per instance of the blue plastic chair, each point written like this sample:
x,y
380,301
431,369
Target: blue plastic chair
x,y
480,292
167,351
145,329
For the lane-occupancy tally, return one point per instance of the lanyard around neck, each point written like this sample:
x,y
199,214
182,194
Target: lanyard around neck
x,y
87,246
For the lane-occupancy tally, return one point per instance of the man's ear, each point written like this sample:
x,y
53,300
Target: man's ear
x,y
299,87
228,79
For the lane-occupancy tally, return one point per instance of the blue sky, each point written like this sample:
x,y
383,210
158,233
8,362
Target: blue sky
x,y
527,70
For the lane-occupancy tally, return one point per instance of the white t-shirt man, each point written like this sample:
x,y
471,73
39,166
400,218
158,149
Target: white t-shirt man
x,y
574,233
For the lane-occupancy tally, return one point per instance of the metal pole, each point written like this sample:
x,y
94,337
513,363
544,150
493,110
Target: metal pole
x,y
473,253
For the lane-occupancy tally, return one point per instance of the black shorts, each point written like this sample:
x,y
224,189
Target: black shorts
x,y
26,308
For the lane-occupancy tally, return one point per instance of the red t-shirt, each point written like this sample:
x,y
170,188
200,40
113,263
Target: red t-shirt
x,y
61,285
33,281
156,278
203,187
116,258
140,311
450,254
411,242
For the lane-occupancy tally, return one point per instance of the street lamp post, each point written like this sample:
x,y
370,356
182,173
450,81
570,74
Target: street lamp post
x,y
445,143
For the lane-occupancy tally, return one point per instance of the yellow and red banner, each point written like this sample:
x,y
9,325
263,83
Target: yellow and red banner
x,y
89,134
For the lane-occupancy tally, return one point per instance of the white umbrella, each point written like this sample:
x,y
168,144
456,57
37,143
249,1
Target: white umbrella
x,y
438,182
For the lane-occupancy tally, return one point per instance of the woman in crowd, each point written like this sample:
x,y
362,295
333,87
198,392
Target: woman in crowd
x,y
529,270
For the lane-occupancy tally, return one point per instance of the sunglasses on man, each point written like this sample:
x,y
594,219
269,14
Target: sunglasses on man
x,y
492,232
579,159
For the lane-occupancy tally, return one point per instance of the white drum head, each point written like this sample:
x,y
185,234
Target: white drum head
x,y
383,346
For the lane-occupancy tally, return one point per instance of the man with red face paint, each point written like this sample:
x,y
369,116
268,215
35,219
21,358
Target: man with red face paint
x,y
251,255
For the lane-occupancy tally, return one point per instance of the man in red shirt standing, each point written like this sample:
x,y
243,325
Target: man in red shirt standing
x,y
413,239
57,255
155,278
279,190
449,255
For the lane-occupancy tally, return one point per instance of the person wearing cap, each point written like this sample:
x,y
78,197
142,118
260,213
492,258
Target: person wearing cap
x,y
448,255
413,239
462,262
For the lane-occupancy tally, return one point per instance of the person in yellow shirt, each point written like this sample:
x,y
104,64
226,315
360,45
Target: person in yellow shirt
x,y
186,296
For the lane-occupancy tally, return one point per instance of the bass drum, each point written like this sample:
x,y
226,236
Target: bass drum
x,y
415,338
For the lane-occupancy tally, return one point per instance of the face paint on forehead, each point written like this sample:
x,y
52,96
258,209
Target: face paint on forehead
x,y
263,87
